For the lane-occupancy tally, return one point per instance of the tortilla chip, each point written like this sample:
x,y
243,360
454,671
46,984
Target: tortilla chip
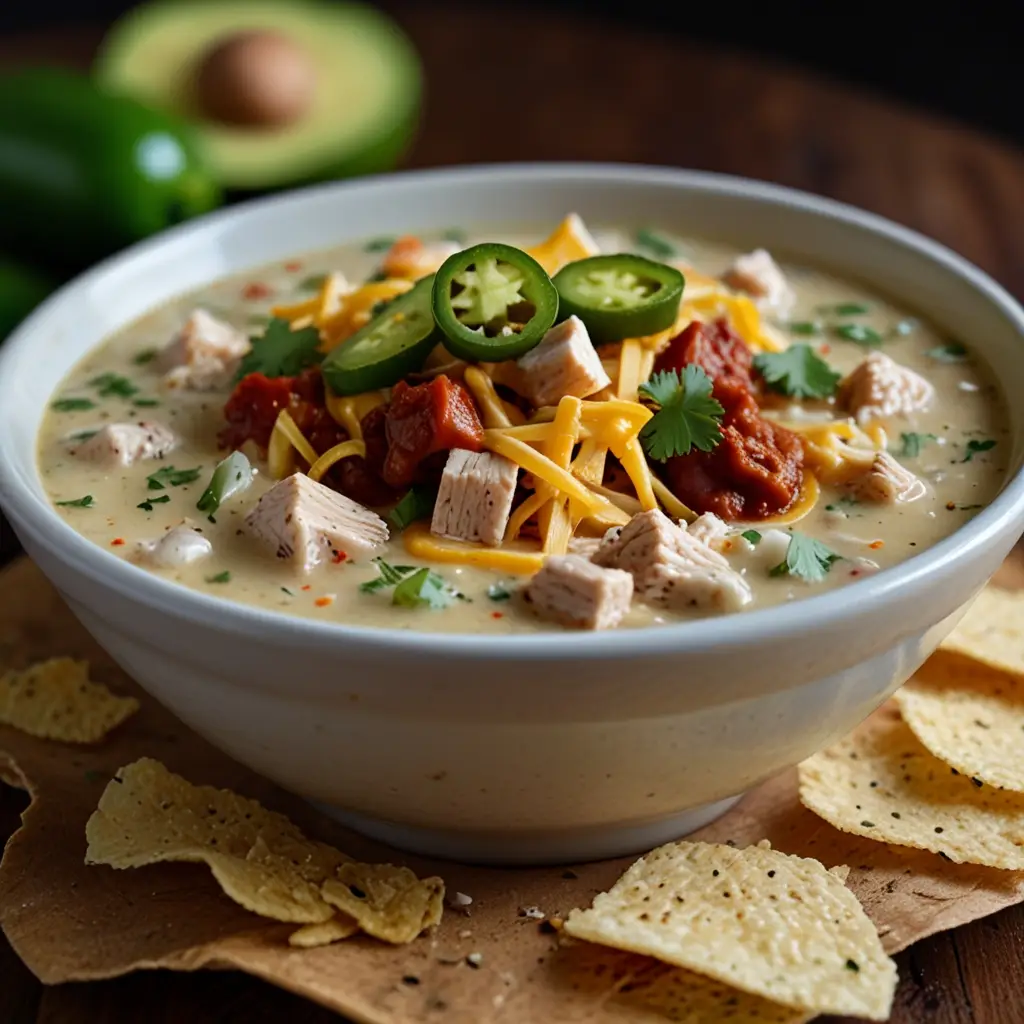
x,y
678,995
55,700
261,860
883,784
992,631
970,716
389,903
780,927
310,936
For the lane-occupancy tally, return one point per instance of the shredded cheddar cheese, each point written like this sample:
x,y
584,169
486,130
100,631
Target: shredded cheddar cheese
x,y
340,451
670,503
629,379
492,409
421,543
355,310
286,433
349,410
570,241
806,500
553,517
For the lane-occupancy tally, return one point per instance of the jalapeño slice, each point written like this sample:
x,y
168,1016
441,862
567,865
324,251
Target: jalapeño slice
x,y
620,296
493,302
392,344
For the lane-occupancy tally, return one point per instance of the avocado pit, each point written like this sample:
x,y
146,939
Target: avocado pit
x,y
255,78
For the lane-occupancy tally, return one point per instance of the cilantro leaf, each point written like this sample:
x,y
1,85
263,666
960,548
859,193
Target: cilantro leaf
x,y
114,384
282,352
912,443
656,244
390,575
806,328
498,592
846,309
798,371
423,589
168,476
975,447
806,558
147,355
688,418
381,244
751,535
859,334
85,502
417,503
73,404
147,505
954,352
221,577
454,235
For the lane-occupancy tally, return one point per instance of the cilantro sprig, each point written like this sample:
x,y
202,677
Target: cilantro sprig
x,y
807,559
87,501
73,404
417,503
168,476
976,447
798,371
113,384
282,352
414,587
911,444
688,416
953,352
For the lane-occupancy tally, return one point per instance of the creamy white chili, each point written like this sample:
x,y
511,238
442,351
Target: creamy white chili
x,y
607,429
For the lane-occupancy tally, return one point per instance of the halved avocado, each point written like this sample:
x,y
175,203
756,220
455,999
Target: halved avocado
x,y
364,92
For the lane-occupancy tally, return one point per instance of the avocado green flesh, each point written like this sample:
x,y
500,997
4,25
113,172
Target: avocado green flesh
x,y
368,85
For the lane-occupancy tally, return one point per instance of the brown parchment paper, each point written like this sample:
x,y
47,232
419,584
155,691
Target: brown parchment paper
x,y
70,922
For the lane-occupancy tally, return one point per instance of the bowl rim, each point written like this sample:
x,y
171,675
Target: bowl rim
x,y
36,517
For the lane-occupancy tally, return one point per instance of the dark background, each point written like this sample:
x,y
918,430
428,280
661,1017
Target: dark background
x,y
961,59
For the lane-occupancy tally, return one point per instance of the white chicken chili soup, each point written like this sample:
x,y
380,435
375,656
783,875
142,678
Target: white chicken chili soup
x,y
453,435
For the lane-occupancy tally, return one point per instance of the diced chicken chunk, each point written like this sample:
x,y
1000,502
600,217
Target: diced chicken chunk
x,y
410,258
671,567
757,274
881,387
885,481
204,355
573,591
123,444
564,363
177,547
475,497
710,530
306,522
585,546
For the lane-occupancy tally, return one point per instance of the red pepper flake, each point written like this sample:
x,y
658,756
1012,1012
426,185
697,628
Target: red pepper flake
x,y
117,542
825,349
308,586
293,266
256,290
323,602
497,615
855,572
338,557
876,544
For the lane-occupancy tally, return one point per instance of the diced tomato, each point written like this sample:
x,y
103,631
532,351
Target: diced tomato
x,y
252,409
426,418
754,472
256,290
360,478
715,347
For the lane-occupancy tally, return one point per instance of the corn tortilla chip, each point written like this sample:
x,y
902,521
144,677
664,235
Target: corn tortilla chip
x,y
678,995
390,903
992,631
261,860
310,936
970,716
776,926
55,700
882,783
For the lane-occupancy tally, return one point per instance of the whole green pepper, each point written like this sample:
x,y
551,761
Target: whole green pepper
x,y
21,290
84,173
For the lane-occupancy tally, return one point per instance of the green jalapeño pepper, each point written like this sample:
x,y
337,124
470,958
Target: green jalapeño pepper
x,y
395,342
493,302
620,296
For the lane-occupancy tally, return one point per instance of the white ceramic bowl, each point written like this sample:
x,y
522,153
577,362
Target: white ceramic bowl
x,y
555,747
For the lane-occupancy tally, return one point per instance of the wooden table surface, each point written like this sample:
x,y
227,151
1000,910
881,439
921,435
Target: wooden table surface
x,y
597,91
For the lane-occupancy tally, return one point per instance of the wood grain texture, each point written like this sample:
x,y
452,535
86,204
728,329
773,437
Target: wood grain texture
x,y
591,91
